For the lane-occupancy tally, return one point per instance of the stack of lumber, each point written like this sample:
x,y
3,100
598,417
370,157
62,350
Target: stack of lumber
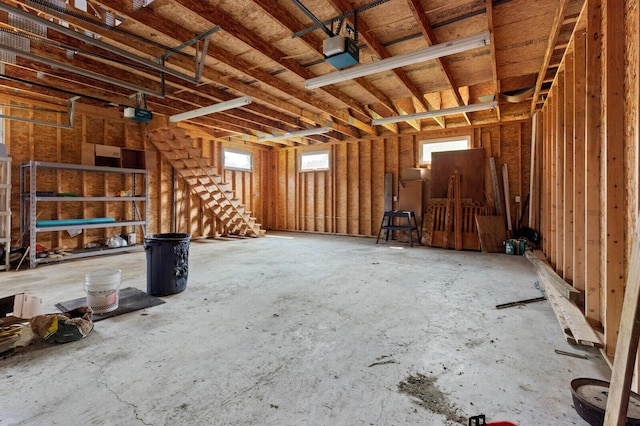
x,y
564,300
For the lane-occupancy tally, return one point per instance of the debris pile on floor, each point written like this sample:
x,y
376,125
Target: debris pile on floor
x,y
22,322
423,388
63,328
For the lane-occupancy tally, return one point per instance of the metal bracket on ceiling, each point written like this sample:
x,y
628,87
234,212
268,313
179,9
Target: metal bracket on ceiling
x,y
323,25
71,108
141,99
200,57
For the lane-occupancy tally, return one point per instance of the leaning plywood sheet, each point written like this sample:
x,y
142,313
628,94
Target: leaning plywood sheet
x,y
492,233
444,164
546,273
575,326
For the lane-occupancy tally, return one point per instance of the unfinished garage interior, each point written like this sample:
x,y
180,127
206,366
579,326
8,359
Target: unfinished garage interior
x,y
349,177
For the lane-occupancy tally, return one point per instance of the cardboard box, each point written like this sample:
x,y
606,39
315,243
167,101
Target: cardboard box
x,y
107,151
413,173
19,308
410,197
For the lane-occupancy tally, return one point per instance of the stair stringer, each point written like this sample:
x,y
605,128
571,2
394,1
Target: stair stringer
x,y
203,180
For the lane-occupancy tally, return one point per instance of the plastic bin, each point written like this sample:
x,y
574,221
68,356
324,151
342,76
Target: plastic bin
x,y
167,263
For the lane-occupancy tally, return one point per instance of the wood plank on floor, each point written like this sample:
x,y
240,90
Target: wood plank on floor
x,y
547,274
574,323
492,233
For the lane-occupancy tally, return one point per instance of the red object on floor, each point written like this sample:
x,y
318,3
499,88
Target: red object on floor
x,y
481,420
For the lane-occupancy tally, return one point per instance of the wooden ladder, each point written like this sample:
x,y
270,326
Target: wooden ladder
x,y
204,181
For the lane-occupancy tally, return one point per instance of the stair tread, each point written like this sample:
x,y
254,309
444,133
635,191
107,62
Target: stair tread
x,y
218,196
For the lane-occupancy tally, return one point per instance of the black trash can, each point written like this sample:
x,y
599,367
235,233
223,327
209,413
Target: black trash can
x,y
167,263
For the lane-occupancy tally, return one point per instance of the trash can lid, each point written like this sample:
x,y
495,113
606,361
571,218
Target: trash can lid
x,y
168,236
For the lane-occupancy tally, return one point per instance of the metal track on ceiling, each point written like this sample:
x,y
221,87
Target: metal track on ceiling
x,y
341,17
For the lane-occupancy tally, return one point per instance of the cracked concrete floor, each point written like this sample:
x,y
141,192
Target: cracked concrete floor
x,y
295,329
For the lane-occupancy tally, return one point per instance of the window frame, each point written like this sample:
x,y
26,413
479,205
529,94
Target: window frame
x,y
423,163
238,152
315,152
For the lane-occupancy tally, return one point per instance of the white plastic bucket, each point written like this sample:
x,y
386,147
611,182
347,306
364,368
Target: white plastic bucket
x,y
102,290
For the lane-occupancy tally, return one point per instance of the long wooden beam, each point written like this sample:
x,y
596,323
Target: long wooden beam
x,y
553,176
559,165
579,153
593,142
567,202
614,215
494,67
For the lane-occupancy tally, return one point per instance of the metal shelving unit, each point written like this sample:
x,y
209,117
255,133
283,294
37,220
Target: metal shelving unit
x,y
5,211
29,205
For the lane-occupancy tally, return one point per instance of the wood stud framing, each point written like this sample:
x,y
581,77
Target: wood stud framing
x,y
593,139
614,214
589,161
579,158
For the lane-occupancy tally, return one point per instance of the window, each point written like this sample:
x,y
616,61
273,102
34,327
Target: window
x,y
80,4
237,160
439,145
318,160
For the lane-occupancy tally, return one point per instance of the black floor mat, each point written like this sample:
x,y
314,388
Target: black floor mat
x,y
130,299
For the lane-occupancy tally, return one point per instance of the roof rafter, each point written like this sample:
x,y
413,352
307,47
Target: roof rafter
x,y
494,67
145,16
226,22
374,44
553,38
430,37
315,43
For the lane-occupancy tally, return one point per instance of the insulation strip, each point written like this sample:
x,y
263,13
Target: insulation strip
x,y
53,7
14,40
27,25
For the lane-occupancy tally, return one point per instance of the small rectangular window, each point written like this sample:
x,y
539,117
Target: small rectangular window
x,y
318,160
428,147
237,160
80,4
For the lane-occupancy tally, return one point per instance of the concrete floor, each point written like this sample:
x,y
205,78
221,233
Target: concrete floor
x,y
295,329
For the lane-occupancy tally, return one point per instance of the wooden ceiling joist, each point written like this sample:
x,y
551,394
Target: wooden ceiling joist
x,y
264,62
430,36
342,6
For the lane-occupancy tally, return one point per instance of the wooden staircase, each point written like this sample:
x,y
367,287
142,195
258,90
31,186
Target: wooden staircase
x,y
216,195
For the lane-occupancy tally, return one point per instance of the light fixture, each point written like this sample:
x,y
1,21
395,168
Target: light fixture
x,y
222,106
436,113
289,135
426,54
